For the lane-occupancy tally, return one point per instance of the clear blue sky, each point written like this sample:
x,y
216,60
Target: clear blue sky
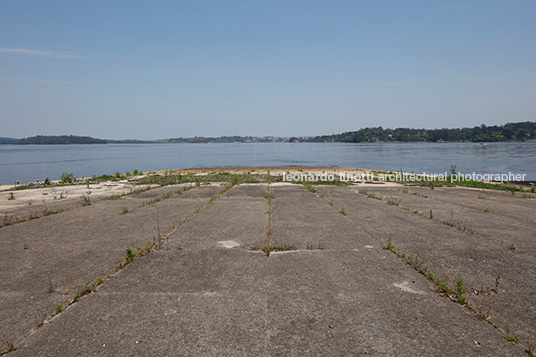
x,y
160,69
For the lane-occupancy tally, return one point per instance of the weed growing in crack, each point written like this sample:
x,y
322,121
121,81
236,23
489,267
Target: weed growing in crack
x,y
7,220
267,249
166,196
419,194
86,200
129,256
440,283
512,338
318,246
283,247
269,194
39,320
458,296
460,292
310,188
450,224
9,348
393,201
268,240
531,350
369,195
49,211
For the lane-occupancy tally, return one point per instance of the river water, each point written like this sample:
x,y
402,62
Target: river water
x,y
31,162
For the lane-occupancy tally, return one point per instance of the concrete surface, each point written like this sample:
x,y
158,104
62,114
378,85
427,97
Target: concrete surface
x,y
208,293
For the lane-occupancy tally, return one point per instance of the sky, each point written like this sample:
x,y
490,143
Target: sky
x,y
163,69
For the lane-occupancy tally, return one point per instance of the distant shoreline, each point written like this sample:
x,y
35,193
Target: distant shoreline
x,y
509,132
286,142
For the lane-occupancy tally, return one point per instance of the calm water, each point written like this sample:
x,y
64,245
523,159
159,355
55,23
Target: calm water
x,y
31,162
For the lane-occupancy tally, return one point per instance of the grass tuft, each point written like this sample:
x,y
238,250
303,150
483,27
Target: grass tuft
x,y
393,201
49,211
86,200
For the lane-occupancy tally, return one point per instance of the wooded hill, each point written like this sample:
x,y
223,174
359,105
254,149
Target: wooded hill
x,y
59,140
521,131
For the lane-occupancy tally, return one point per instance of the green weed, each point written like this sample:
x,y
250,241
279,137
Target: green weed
x,y
269,194
111,198
66,178
310,188
86,200
129,256
393,202
369,195
512,338
9,348
278,248
460,292
49,211
318,246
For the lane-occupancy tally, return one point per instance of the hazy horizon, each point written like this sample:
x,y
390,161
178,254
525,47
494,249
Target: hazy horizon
x,y
243,136
125,70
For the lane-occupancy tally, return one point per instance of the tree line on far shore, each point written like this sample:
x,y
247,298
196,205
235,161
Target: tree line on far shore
x,y
521,131
59,140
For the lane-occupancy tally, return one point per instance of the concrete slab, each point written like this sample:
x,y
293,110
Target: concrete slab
x,y
303,219
209,294
45,261
482,264
497,215
232,302
240,217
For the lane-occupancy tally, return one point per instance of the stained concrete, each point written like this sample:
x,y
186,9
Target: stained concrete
x,y
209,293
